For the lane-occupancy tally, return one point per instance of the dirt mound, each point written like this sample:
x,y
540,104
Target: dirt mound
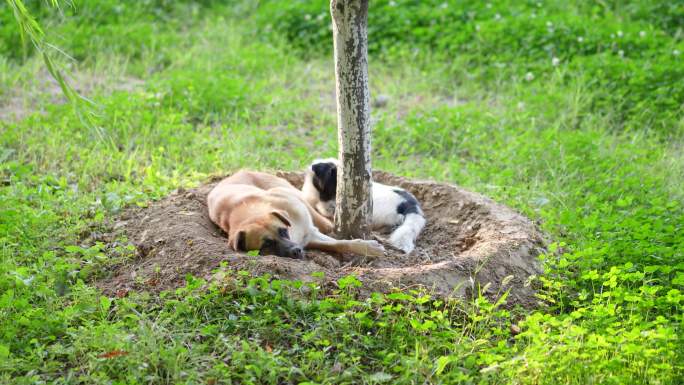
x,y
469,240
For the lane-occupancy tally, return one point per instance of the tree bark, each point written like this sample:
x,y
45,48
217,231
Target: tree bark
x,y
353,204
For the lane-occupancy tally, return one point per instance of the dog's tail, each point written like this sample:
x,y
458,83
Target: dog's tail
x,y
404,237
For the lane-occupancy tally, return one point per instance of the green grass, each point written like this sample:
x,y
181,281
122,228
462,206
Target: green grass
x,y
590,148
631,60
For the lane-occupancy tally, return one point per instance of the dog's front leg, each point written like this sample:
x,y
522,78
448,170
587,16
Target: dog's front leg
x,y
323,224
323,242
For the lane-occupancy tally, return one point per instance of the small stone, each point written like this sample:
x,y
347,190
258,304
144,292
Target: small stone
x,y
119,225
381,101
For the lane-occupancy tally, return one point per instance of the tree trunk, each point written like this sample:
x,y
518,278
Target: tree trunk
x,y
354,205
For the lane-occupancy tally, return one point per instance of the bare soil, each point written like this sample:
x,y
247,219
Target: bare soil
x,y
469,242
18,103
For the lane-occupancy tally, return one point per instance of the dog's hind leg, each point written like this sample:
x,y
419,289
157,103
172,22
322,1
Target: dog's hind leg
x,y
404,237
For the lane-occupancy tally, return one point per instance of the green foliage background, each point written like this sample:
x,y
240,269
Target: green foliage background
x,y
589,145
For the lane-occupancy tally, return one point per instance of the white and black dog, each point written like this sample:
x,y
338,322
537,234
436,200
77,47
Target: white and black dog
x,y
395,210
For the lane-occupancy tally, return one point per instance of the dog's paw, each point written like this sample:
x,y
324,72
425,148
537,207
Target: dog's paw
x,y
327,227
374,248
404,244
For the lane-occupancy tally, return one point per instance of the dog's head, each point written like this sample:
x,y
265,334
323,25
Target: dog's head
x,y
324,179
268,233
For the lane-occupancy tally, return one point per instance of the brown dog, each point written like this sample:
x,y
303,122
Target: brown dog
x,y
263,212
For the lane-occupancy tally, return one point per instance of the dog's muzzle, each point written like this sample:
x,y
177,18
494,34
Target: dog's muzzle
x,y
296,253
284,248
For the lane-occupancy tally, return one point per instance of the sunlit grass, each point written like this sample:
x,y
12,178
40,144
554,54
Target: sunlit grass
x,y
208,94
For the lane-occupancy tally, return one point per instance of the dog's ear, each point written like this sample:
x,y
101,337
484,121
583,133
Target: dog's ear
x,y
322,170
325,179
239,241
282,215
332,176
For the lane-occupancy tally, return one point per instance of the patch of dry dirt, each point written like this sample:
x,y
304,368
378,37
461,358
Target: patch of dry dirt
x,y
469,240
43,90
